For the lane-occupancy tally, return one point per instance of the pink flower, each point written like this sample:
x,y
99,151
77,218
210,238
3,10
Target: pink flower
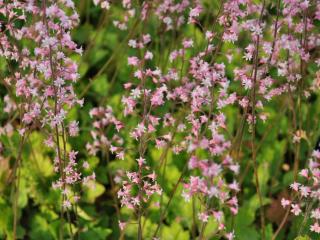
x,y
85,165
148,55
133,61
315,227
304,191
141,161
122,225
132,43
285,202
187,43
295,186
193,162
230,236
73,128
66,204
152,176
304,173
295,209
316,213
316,154
203,217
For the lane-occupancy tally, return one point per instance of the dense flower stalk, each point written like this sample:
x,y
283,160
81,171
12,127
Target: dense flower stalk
x,y
36,42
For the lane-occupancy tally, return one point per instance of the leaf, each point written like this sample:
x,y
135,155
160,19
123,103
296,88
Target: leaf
x,y
149,228
5,217
39,161
246,233
83,214
211,227
174,231
93,192
303,238
172,175
245,218
97,233
23,193
41,229
264,175
83,33
100,85
93,161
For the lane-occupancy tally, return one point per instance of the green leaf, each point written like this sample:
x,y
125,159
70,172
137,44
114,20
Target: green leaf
x,y
40,162
41,229
23,193
174,231
91,193
264,175
246,233
97,233
211,227
5,217
303,238
244,220
83,214
100,85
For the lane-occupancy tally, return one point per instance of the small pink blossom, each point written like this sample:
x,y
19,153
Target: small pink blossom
x,y
295,209
285,202
122,225
315,227
203,217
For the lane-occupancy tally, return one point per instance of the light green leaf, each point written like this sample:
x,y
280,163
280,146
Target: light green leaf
x,y
303,238
83,214
91,193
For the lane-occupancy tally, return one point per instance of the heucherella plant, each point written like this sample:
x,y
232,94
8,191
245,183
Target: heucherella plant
x,y
195,92
305,197
200,89
198,116
36,43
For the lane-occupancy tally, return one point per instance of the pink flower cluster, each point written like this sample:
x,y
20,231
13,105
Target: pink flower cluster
x,y
104,120
199,96
307,193
138,187
36,42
